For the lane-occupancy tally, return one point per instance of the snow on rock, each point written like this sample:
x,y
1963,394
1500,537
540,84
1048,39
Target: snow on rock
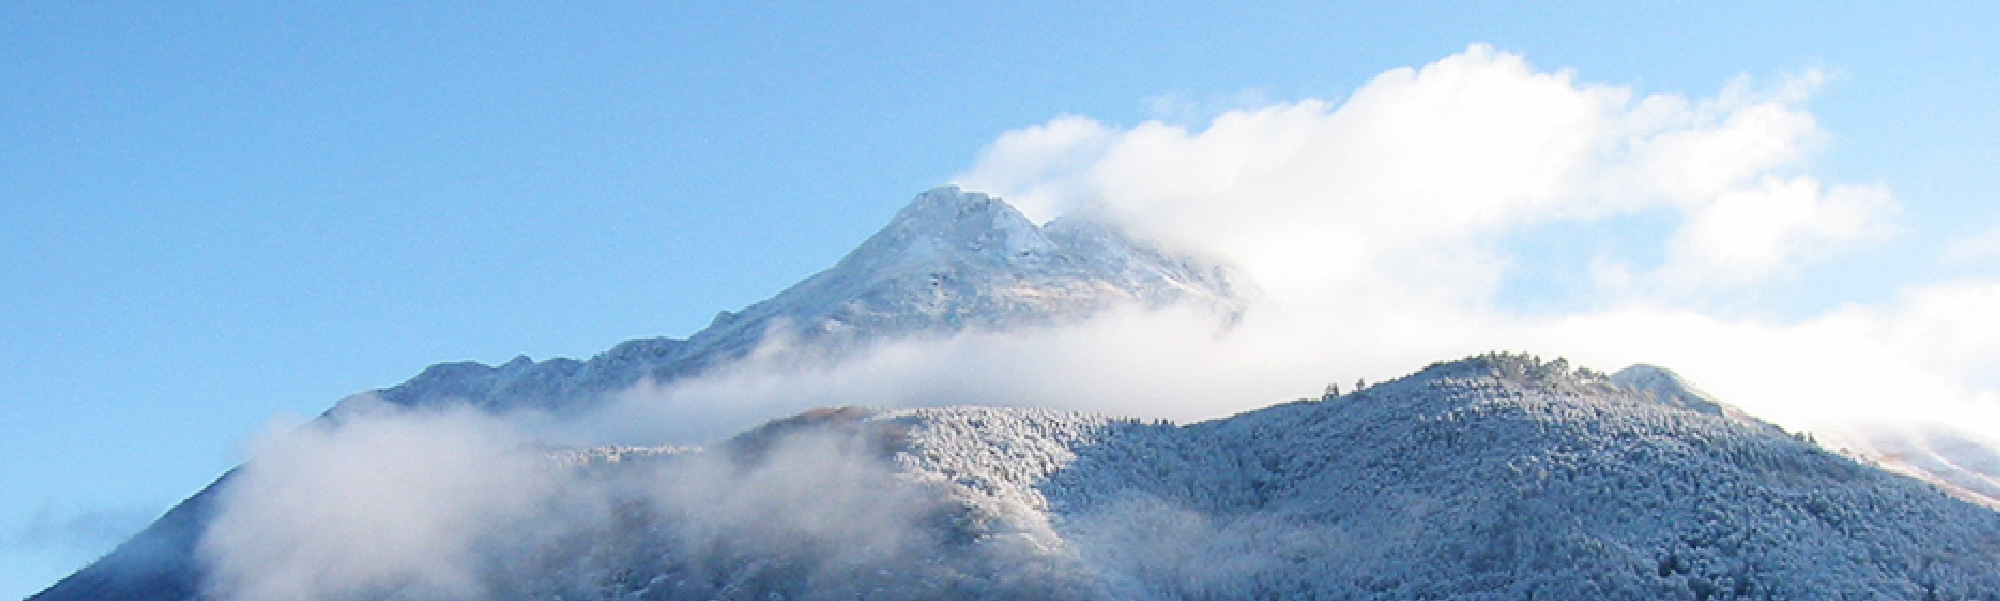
x,y
954,259
949,261
1493,477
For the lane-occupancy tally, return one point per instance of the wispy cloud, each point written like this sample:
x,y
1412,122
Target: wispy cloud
x,y
82,531
376,500
1983,246
389,502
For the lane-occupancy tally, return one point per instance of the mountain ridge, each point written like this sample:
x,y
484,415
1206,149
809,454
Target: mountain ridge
x,y
949,261
1498,476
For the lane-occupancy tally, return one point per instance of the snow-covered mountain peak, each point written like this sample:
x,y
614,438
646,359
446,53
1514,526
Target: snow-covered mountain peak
x,y
953,260
947,262
945,229
972,220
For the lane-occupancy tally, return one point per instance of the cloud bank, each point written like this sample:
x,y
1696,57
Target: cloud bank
x,y
386,502
374,501
1441,163
1474,204
1409,222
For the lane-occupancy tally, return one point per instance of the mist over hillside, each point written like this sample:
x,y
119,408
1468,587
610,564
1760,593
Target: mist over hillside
x,y
1492,477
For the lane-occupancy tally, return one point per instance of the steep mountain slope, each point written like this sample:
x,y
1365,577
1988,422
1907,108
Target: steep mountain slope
x,y
1495,477
949,261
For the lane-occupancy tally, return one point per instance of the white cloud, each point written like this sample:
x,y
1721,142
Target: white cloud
x,y
1434,163
1386,227
1385,230
1981,246
382,502
1036,164
1744,234
1953,326
375,501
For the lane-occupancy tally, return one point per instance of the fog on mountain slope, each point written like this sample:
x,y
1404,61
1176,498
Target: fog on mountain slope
x,y
1493,477
950,262
1481,202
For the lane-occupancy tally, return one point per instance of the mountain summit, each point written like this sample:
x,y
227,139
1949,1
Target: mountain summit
x,y
953,260
949,261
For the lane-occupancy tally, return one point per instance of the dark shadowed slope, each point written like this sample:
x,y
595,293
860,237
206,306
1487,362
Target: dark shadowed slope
x,y
157,564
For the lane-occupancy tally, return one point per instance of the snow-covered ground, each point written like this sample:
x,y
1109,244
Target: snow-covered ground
x,y
1493,477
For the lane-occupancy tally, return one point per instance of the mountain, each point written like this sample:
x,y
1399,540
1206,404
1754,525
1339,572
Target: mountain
x,y
1491,477
949,261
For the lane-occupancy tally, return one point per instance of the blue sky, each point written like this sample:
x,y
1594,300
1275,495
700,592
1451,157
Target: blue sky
x,y
211,215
